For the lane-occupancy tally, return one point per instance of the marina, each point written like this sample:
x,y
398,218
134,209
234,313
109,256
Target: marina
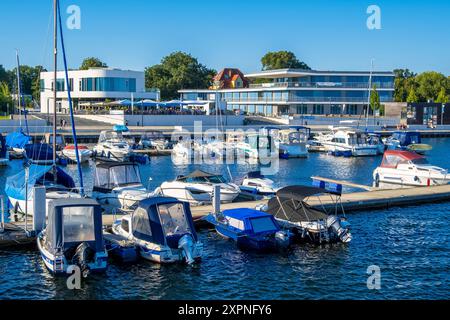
x,y
182,182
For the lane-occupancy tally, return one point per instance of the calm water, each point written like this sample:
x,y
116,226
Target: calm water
x,y
410,245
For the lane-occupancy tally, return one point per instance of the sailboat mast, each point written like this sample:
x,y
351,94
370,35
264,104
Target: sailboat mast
x,y
19,97
55,65
369,94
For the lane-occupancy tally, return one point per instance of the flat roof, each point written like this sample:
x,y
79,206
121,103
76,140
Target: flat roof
x,y
301,72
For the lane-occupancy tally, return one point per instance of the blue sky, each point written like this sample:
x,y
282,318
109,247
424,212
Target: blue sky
x,y
327,35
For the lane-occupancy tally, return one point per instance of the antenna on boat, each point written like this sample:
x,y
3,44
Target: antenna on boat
x,y
69,97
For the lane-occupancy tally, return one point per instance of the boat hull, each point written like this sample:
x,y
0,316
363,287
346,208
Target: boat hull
x,y
393,176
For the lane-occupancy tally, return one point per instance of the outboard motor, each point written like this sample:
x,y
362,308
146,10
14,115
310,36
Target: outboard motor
x,y
334,225
282,239
187,244
82,257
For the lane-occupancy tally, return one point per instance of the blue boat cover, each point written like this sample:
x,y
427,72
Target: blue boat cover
x,y
56,224
244,213
16,187
120,128
17,140
39,151
148,226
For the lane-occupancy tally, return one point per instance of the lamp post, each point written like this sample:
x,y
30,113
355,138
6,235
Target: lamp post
x,y
442,113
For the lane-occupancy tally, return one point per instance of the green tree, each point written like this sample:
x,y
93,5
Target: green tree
x,y
282,60
4,76
442,96
177,71
375,99
6,103
92,62
412,96
404,81
429,85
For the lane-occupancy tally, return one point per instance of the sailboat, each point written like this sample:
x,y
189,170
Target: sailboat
x,y
4,154
73,234
16,142
58,184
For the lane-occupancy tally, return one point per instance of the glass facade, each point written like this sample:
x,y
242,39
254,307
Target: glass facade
x,y
108,84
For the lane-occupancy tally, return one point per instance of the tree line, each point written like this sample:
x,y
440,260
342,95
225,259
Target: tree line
x,y
427,86
180,70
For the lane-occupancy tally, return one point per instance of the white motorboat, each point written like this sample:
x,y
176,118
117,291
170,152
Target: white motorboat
x,y
256,183
19,187
375,140
409,169
153,139
291,141
118,186
197,188
83,153
348,142
310,224
163,231
112,145
73,236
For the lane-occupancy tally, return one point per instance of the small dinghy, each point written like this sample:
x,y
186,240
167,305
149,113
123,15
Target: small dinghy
x,y
250,229
83,152
309,224
73,236
407,140
163,231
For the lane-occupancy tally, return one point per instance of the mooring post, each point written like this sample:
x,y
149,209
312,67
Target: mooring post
x,y
216,199
2,228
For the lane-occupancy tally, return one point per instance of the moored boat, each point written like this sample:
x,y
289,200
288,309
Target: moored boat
x,y
163,231
250,229
73,236
308,224
409,169
83,152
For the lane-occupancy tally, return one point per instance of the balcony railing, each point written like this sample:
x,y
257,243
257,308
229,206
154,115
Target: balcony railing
x,y
305,100
316,85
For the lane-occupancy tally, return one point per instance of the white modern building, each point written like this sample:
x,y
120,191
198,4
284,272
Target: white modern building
x,y
93,86
301,92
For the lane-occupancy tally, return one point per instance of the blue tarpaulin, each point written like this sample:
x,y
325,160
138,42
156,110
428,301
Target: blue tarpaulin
x,y
120,128
42,175
17,140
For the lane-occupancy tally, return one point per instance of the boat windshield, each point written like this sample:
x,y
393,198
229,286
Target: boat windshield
x,y
420,161
173,219
110,136
156,135
211,179
123,175
78,224
264,224
357,138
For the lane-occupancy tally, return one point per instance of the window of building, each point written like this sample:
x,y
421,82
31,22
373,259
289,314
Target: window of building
x,y
244,96
318,109
269,110
251,108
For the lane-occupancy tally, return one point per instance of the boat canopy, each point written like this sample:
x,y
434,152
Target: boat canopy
x,y
392,158
3,150
17,140
73,221
299,193
289,204
407,137
162,219
250,220
113,174
38,175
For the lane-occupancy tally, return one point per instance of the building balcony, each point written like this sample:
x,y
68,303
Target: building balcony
x,y
316,85
305,100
